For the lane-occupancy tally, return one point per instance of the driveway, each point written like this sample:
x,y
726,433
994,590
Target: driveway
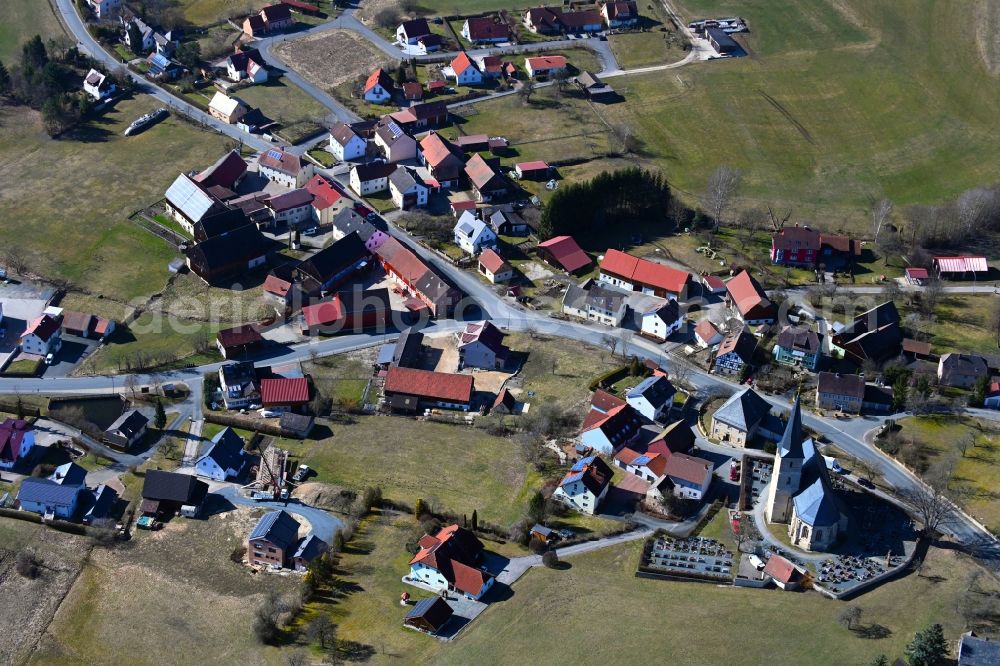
x,y
323,524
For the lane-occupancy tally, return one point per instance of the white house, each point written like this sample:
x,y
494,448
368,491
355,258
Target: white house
x,y
473,235
291,208
653,397
662,321
371,178
480,345
146,33
225,459
647,466
17,437
599,304
606,433
707,334
43,335
585,486
691,476
239,385
466,71
451,560
284,168
98,86
545,65
105,8
49,498
346,144
378,88
406,189
246,65
409,32
494,267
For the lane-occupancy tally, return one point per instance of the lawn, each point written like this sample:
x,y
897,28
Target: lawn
x,y
21,19
93,180
191,597
685,620
458,468
657,44
341,378
283,101
557,372
24,366
962,324
978,470
799,117
208,12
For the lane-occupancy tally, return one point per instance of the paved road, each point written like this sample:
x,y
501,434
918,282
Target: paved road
x,y
323,524
517,566
87,44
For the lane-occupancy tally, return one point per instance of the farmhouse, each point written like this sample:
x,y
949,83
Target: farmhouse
x,y
126,431
225,458
653,397
346,144
284,168
647,466
748,300
595,303
486,30
48,498
442,158
406,188
740,418
661,321
798,347
273,539
406,269
961,370
735,352
690,476
167,493
371,178
585,485
563,251
620,13
188,202
553,20
874,335
545,65
347,311
606,433
410,31
707,334
227,109
451,560
480,345
43,335
17,437
635,274
216,223
465,71
485,178
419,116
228,255
269,19
378,87
409,390
494,267
246,65
802,246
290,208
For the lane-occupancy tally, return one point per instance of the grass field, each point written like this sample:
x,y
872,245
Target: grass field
x,y
208,12
92,180
557,372
460,469
20,20
978,470
283,101
720,625
962,323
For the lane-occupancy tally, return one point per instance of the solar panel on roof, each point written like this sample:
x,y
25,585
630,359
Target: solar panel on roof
x,y
580,464
641,460
274,154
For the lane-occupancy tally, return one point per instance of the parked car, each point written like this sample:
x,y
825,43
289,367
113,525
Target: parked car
x,y
50,359
268,413
865,483
301,473
757,563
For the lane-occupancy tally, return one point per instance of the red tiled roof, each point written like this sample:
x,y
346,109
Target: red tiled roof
x,y
492,64
468,579
687,468
480,172
378,77
324,194
961,264
12,433
102,326
917,273
322,314
459,206
77,321
505,397
280,160
413,90
225,172
604,401
566,252
705,330
781,569
796,238
545,62
284,391
537,165
428,384
714,282
239,336
916,347
436,149
275,285
747,293
462,62
492,261
406,264
645,272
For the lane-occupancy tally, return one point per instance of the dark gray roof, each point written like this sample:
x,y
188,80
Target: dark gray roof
x,y
310,548
69,474
744,410
332,260
277,527
407,347
47,492
103,503
129,423
227,450
242,243
799,338
347,221
790,445
402,179
173,487
976,651
657,390
841,384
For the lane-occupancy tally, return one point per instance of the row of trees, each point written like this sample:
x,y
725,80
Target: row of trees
x,y
628,195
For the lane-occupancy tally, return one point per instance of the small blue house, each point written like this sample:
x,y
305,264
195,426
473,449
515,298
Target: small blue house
x,y
49,499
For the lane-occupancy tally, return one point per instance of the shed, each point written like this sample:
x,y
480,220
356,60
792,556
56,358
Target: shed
x,y
429,615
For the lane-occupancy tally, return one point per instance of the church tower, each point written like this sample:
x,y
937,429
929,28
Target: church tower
x,y
787,475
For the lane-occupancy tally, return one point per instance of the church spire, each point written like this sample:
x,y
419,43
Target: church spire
x,y
790,445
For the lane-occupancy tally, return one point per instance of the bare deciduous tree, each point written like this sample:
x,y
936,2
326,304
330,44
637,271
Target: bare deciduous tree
x,y
526,90
931,505
881,211
723,186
